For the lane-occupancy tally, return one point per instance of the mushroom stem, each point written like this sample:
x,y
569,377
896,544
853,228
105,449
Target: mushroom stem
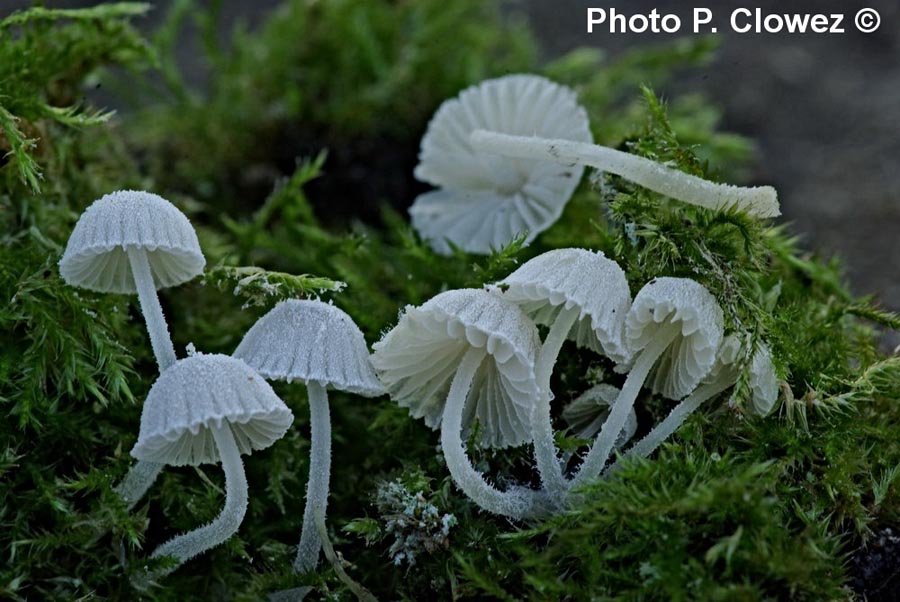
x,y
137,482
184,547
545,452
675,419
319,475
516,503
759,201
150,307
598,455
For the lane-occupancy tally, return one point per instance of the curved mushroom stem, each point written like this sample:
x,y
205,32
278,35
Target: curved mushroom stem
x,y
516,502
761,201
545,451
184,547
150,307
675,419
596,459
319,476
137,482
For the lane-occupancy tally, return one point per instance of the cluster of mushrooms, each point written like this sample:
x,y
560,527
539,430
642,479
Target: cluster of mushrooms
x,y
505,157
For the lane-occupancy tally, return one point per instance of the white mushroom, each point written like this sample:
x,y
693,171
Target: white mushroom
x,y
484,200
461,356
724,374
582,296
586,414
674,328
131,242
320,345
759,201
203,410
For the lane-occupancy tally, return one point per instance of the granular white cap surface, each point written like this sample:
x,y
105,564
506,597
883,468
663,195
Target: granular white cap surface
x,y
310,341
567,278
95,257
202,392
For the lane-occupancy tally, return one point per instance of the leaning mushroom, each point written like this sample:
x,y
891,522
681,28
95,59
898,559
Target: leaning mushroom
x,y
674,329
724,374
759,201
130,242
203,410
582,296
484,200
319,345
462,356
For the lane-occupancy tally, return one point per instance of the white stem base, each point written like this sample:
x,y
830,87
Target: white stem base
x,y
319,477
596,459
137,482
545,452
184,547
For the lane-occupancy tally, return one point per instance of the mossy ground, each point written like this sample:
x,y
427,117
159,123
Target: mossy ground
x,y
298,160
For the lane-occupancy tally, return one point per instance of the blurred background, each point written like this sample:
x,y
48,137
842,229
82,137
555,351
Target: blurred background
x,y
824,111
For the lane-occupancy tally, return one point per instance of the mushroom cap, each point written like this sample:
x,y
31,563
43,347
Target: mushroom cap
x,y
202,392
586,414
691,356
310,341
95,257
418,359
567,278
763,382
485,200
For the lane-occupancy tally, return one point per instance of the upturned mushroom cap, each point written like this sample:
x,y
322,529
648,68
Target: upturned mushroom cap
x,y
587,412
202,392
567,278
310,341
419,357
763,382
692,354
95,257
485,200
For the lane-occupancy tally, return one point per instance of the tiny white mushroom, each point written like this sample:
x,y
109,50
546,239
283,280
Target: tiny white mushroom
x,y
582,296
130,242
724,374
674,328
320,345
586,414
461,356
759,201
484,200
207,409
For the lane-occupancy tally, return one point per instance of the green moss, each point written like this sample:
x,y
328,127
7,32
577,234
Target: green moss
x,y
733,507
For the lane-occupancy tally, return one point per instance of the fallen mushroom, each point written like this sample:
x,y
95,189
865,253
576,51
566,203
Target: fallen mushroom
x,y
203,410
724,374
583,296
130,242
484,200
461,356
320,345
674,329
759,201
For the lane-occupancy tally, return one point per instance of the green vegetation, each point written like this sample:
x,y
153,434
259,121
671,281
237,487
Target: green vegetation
x,y
293,164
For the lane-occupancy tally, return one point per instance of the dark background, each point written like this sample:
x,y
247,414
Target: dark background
x,y
824,110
